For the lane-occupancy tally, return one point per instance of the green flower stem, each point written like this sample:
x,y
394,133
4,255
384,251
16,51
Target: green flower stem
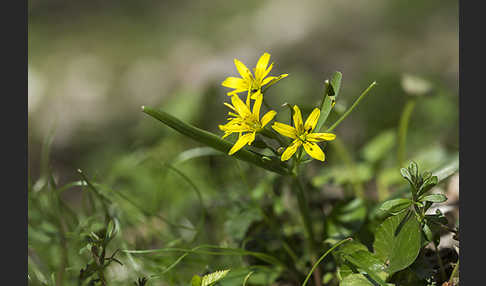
x,y
212,140
403,129
363,94
304,211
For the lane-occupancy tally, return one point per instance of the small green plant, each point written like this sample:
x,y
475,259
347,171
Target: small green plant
x,y
96,245
399,238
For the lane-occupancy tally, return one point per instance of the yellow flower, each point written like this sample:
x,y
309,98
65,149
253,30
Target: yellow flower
x,y
243,120
249,82
302,135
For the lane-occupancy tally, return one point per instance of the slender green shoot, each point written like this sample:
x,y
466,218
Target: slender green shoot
x,y
322,258
361,97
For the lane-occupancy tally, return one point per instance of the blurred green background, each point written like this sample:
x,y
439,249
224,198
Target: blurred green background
x,y
93,64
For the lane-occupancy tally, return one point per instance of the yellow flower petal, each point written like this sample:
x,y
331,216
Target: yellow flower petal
x,y
299,126
314,151
285,130
274,79
240,107
226,134
235,82
268,79
291,150
268,117
229,105
241,142
266,72
317,137
236,91
256,94
311,121
261,66
243,70
257,105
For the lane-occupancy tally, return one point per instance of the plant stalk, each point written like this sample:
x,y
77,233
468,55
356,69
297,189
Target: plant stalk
x,y
304,211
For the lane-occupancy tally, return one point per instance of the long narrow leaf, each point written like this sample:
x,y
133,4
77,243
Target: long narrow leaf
x,y
331,91
269,163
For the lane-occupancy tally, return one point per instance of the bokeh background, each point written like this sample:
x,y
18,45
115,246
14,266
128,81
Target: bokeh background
x,y
93,64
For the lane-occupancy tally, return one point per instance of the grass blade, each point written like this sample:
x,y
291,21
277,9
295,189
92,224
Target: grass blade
x,y
322,258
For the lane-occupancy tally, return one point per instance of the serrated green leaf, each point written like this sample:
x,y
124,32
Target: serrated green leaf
x,y
434,198
210,279
395,206
398,241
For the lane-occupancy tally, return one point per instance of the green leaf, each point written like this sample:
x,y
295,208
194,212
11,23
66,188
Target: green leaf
x,y
214,277
369,263
395,206
331,92
196,280
247,277
406,174
427,185
413,169
358,280
434,198
349,248
397,241
207,138
346,268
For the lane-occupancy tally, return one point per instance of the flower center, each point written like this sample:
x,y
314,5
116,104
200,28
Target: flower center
x,y
253,123
303,136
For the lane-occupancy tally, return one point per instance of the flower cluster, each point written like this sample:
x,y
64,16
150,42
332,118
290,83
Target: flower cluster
x,y
245,120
